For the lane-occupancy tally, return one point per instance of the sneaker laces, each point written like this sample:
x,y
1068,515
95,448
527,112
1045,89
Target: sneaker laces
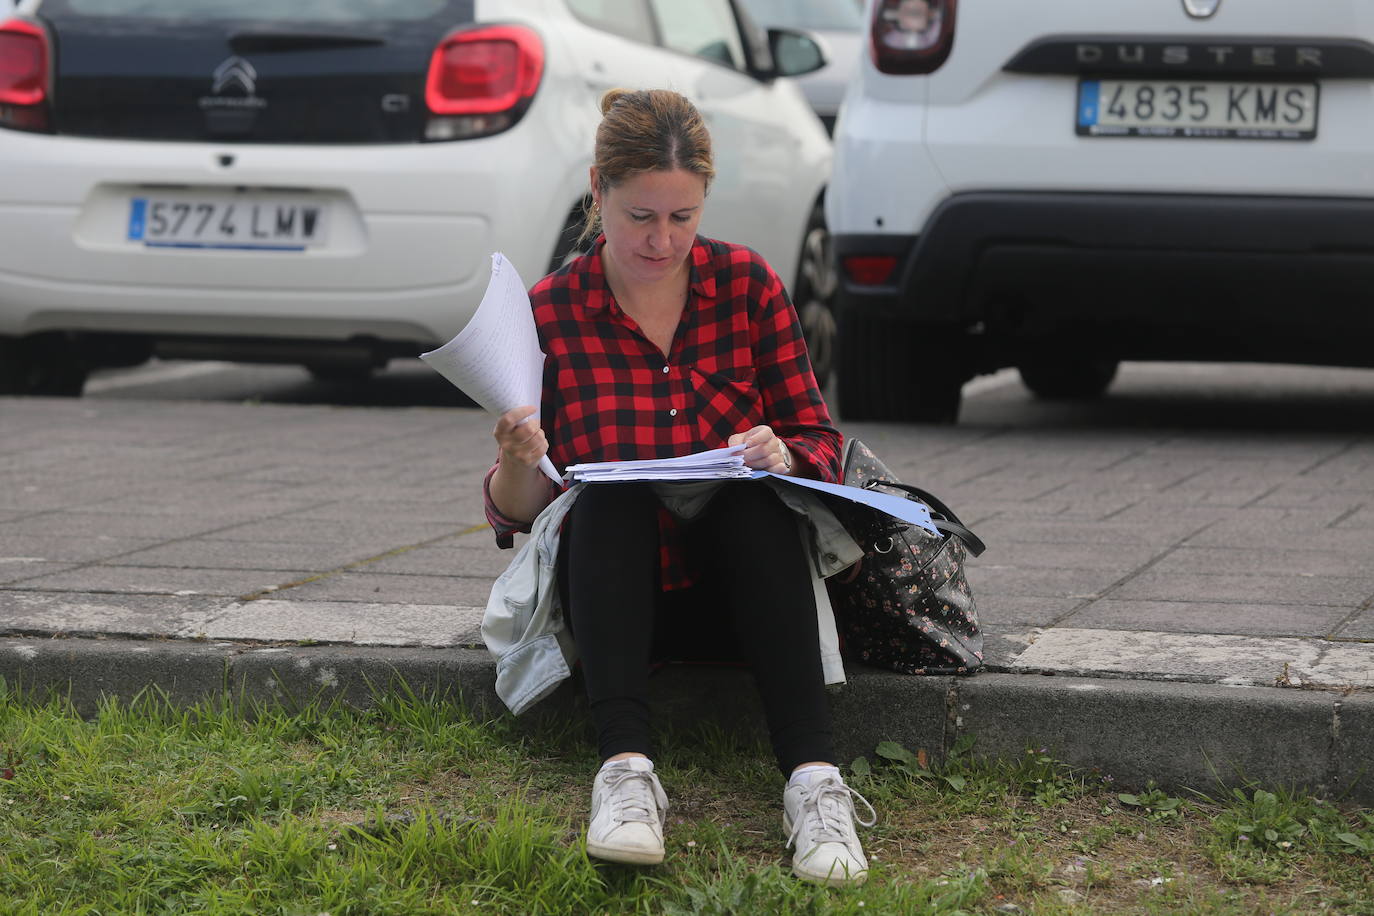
x,y
635,796
826,811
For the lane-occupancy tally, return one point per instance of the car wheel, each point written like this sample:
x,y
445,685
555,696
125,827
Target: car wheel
x,y
815,296
895,370
46,366
1068,377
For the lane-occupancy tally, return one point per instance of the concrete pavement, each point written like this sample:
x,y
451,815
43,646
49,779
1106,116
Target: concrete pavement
x,y
1186,605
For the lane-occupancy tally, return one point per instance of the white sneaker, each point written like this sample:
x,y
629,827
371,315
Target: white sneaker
x,y
819,819
628,811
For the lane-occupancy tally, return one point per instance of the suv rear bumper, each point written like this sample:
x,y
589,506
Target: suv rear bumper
x,y
1143,276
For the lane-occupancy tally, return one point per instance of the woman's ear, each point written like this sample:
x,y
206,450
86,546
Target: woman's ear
x,y
596,188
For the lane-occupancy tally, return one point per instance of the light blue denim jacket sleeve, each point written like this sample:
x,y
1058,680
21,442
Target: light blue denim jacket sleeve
x,y
523,624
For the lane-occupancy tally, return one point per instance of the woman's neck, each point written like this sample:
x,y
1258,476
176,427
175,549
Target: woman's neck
x,y
638,297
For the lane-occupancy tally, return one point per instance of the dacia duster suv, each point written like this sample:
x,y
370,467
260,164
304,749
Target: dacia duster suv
x,y
1062,185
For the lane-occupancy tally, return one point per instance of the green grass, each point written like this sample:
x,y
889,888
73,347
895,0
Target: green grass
x,y
413,807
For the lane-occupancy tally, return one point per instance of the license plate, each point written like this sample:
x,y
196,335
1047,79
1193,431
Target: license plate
x,y
1202,109
238,221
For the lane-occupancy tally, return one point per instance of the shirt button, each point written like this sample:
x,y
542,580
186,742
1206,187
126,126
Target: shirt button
x,y
673,412
665,370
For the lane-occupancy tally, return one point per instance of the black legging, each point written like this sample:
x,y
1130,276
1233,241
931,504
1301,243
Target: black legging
x,y
746,547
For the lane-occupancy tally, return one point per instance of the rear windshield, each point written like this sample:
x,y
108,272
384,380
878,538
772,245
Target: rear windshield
x,y
258,10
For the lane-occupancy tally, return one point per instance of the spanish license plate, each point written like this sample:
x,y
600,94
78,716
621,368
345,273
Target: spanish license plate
x,y
230,221
1202,109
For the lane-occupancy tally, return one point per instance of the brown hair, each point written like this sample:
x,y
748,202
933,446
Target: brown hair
x,y
647,130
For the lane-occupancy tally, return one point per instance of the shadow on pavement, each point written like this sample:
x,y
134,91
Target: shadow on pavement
x,y
1242,397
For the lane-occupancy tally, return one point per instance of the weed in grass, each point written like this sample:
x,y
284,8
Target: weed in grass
x,y
1261,820
1155,803
1360,840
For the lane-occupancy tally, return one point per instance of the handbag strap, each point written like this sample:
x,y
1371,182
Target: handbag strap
x,y
950,524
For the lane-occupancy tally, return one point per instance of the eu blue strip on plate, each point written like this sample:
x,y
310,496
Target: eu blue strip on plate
x,y
1088,101
895,506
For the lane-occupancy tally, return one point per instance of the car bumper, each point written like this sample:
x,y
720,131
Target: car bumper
x,y
406,257
1150,275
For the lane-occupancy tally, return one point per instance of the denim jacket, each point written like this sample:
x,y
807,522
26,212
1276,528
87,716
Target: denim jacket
x,y
523,624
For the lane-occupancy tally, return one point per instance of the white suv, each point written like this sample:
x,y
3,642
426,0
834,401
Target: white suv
x,y
1064,184
323,181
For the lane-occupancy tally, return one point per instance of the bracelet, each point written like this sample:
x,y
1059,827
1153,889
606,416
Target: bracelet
x,y
786,455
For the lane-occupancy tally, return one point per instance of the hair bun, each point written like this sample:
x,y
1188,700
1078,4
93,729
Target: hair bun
x,y
611,97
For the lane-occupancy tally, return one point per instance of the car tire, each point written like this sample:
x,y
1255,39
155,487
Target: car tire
x,y
895,370
817,282
47,365
1066,377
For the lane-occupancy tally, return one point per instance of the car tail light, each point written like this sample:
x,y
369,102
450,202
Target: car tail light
x,y
869,270
23,76
912,36
481,81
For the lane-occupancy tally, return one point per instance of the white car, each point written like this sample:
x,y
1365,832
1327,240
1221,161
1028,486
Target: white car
x,y
323,181
1062,185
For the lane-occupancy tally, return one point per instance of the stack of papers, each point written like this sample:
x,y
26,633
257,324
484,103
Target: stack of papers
x,y
716,464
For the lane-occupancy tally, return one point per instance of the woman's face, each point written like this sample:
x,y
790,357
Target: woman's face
x,y
650,220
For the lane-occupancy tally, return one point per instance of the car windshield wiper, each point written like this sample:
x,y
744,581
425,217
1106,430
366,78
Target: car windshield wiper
x,y
260,41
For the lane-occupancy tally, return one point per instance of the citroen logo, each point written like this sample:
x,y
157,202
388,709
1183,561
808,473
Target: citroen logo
x,y
1201,9
232,71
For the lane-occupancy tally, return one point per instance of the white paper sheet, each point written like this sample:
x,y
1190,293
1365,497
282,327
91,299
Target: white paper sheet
x,y
717,463
495,359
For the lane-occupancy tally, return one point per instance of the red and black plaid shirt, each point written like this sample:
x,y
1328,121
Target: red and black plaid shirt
x,y
737,360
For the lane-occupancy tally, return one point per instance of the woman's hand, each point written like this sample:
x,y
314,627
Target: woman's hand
x,y
520,437
764,451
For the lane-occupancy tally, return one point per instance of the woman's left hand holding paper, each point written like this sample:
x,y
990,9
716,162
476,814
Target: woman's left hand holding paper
x,y
763,450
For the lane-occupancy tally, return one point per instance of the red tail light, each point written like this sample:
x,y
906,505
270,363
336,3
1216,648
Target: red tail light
x,y
23,76
482,80
912,36
869,270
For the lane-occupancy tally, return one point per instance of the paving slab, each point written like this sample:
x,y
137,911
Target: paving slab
x,y
1199,658
402,589
1360,626
1235,619
354,623
153,580
1348,592
68,615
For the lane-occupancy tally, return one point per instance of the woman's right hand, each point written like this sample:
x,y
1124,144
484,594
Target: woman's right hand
x,y
520,437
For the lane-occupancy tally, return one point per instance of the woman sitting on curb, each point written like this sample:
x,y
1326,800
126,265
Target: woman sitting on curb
x,y
659,343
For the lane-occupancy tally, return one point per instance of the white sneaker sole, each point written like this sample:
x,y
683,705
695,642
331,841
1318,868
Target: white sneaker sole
x,y
634,856
828,878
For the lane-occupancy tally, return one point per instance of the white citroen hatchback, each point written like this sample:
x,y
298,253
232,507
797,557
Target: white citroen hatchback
x,y
321,181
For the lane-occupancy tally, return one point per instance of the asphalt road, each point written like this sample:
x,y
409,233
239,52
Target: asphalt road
x,y
1202,396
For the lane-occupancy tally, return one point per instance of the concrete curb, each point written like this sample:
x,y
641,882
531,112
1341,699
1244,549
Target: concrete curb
x,y
1199,736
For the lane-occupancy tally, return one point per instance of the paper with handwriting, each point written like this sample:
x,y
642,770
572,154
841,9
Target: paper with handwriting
x,y
495,359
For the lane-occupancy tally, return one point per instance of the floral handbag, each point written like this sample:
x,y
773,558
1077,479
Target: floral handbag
x,y
906,605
